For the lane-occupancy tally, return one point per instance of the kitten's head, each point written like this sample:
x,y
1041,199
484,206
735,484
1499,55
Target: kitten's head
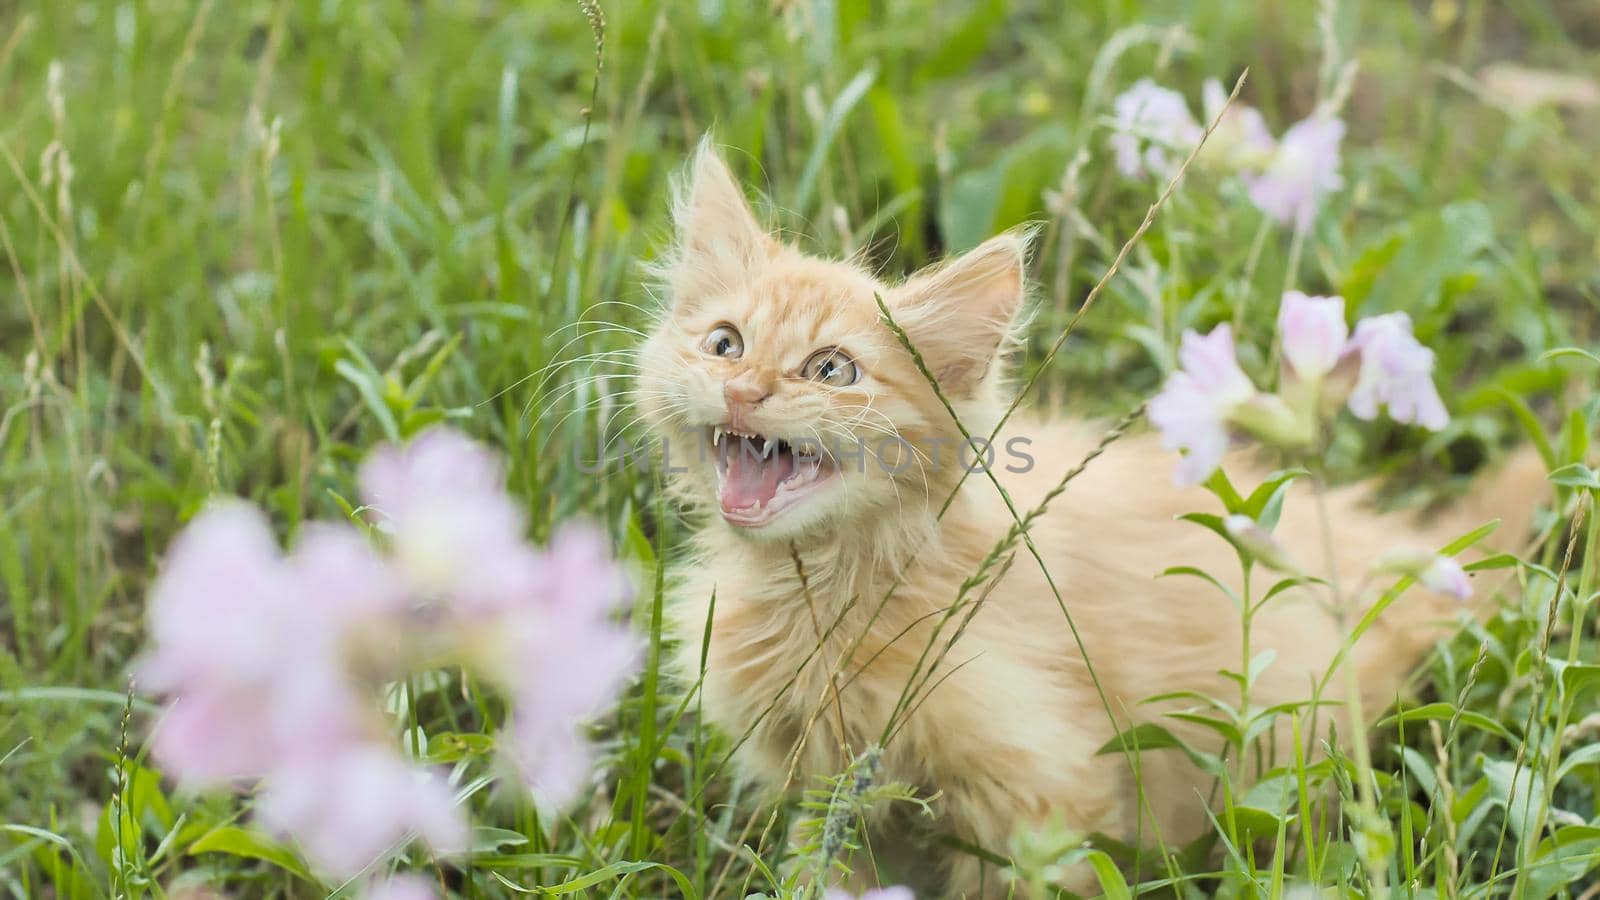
x,y
773,376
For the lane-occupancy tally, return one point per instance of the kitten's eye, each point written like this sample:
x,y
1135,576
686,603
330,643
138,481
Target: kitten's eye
x,y
724,341
831,367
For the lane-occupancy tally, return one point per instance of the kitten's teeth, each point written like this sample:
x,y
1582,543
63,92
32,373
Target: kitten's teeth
x,y
716,434
768,449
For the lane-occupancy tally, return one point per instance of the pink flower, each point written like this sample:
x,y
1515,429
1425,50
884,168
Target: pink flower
x,y
350,809
246,644
1304,168
1447,576
1193,407
538,624
564,661
1396,372
400,887
456,533
252,650
1151,121
1442,573
1241,139
274,666
1313,334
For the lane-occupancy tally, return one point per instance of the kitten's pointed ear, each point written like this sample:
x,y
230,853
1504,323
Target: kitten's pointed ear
x,y
961,314
719,239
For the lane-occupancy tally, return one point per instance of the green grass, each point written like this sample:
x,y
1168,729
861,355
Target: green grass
x,y
295,229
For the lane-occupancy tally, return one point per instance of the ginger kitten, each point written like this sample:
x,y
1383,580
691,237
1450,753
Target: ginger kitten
x,y
783,362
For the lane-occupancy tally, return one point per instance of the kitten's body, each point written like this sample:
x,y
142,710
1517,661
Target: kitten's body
x,y
1008,726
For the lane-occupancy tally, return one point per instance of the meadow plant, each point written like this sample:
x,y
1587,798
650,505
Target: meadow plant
x,y
1381,366
1323,367
274,667
1286,178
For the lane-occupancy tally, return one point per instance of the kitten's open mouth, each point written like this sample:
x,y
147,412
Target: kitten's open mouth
x,y
759,477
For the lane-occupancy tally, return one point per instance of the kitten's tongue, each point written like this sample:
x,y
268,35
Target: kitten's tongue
x,y
751,482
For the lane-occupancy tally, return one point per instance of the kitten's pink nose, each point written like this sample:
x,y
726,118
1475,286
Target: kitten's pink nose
x,y
744,392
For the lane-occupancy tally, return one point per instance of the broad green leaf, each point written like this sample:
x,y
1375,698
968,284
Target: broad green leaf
x,y
488,839
1442,711
1562,860
1576,475
236,841
1265,503
1110,877
1150,736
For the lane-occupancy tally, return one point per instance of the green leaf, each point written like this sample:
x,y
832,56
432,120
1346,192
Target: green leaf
x,y
1193,572
1219,485
487,839
1569,353
242,842
838,112
1443,711
1228,730
1497,561
1575,677
955,53
519,861
371,390
1110,877
1467,540
1265,503
1438,246
1576,475
1576,435
1150,736
1562,860
452,746
1509,787
1260,663
419,385
1587,755
1531,425
615,870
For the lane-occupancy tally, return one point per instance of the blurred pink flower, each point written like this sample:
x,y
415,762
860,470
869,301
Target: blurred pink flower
x,y
1241,139
351,808
564,660
1447,576
456,533
1442,573
245,644
274,666
400,887
1396,372
1303,169
1193,407
251,649
1313,334
1151,123
537,623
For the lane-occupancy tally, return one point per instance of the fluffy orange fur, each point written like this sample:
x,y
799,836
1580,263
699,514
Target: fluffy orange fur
x,y
806,657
